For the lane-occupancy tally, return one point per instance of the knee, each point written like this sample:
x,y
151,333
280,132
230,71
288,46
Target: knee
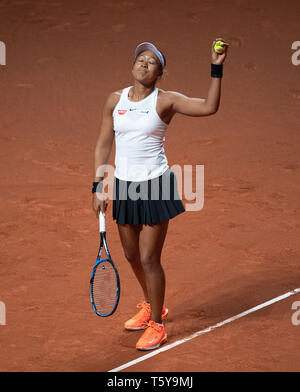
x,y
150,262
131,257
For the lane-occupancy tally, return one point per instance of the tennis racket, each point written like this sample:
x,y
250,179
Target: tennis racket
x,y
105,282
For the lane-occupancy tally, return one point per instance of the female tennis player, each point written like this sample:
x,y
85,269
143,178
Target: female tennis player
x,y
145,188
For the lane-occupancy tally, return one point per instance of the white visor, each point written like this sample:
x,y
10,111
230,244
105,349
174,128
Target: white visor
x,y
148,46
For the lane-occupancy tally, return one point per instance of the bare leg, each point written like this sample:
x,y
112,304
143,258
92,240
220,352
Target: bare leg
x,y
129,235
151,243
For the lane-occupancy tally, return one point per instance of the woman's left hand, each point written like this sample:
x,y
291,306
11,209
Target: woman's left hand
x,y
217,58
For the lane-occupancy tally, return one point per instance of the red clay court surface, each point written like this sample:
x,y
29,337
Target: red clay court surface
x,y
240,250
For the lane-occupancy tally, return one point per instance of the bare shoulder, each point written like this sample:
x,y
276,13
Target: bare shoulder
x,y
175,98
165,94
169,96
112,100
175,102
165,104
116,93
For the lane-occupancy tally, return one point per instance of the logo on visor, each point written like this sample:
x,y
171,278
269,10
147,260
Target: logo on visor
x,y
122,112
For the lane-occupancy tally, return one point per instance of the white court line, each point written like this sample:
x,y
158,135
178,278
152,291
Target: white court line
x,y
194,335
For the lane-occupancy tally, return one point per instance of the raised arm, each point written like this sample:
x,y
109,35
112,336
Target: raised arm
x,y
197,107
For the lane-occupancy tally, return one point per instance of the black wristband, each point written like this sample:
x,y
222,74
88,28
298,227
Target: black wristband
x,y
97,187
216,70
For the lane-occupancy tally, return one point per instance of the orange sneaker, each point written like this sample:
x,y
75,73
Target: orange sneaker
x,y
153,337
141,319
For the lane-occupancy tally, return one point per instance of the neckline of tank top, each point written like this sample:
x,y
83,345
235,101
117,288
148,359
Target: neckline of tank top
x,y
126,91
142,100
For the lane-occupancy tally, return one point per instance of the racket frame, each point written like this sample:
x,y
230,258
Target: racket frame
x,y
98,263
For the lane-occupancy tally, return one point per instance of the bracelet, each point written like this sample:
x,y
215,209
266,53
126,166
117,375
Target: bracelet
x,y
216,70
97,187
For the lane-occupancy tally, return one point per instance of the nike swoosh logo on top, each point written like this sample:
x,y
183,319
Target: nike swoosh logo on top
x,y
151,341
132,109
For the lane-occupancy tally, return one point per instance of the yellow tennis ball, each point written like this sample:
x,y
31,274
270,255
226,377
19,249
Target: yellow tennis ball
x,y
218,48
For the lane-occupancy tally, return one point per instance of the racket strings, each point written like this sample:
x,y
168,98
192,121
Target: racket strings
x,y
104,288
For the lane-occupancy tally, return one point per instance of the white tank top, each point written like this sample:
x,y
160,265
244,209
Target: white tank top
x,y
139,136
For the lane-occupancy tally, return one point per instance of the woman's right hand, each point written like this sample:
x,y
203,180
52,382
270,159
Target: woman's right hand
x,y
99,203
217,58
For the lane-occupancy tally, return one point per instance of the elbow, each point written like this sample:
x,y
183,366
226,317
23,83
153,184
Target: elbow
x,y
97,148
213,109
103,144
102,150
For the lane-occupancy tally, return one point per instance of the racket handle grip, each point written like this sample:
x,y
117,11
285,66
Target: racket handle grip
x,y
102,227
